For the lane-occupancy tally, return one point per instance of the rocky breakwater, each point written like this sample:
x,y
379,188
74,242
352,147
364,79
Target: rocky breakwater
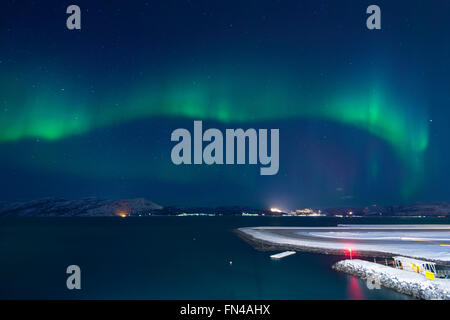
x,y
409,283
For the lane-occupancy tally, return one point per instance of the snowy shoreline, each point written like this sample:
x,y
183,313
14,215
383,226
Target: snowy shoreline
x,y
409,283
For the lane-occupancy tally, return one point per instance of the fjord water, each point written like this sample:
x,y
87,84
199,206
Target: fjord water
x,y
169,258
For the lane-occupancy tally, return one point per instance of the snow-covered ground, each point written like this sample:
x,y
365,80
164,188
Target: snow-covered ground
x,y
389,235
417,241
406,282
397,226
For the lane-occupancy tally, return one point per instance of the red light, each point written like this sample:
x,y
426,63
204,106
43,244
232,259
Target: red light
x,y
350,253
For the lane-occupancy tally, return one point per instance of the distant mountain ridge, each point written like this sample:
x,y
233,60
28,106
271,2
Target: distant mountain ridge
x,y
438,209
55,207
95,207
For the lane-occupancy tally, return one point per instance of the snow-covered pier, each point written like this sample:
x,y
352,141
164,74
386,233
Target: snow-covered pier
x,y
282,254
409,283
428,242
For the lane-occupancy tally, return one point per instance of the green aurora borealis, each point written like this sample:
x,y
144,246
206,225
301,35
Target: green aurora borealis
x,y
54,99
50,113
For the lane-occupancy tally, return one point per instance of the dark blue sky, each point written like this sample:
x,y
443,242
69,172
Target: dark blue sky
x,y
363,115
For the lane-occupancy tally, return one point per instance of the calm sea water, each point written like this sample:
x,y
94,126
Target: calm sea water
x,y
168,258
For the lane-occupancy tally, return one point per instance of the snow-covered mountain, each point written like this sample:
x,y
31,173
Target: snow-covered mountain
x,y
83,207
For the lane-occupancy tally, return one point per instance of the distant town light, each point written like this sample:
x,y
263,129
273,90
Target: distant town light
x,y
122,214
275,210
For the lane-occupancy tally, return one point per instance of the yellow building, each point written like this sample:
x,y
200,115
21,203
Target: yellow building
x,y
428,269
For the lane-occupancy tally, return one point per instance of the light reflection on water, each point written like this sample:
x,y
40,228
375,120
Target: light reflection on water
x,y
355,292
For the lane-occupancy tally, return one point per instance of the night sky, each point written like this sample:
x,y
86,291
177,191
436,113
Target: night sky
x,y
363,114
